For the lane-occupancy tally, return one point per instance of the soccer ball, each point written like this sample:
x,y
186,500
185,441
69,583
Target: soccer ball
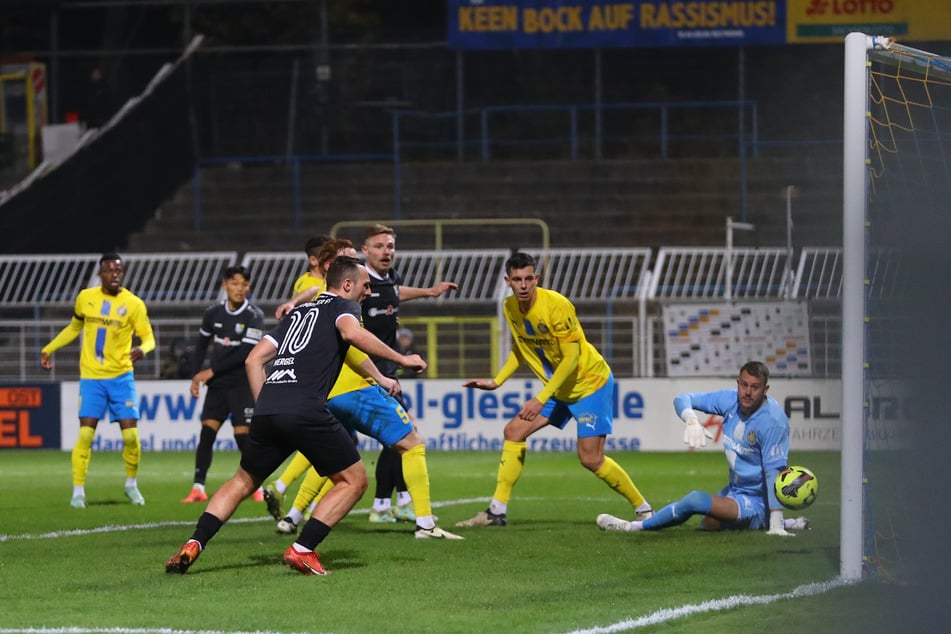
x,y
796,487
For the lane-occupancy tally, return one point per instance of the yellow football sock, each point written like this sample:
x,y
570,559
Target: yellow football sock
x,y
617,478
329,484
510,468
309,488
416,474
131,451
298,465
82,451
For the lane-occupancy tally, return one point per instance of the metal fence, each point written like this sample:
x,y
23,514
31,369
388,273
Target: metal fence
x,y
618,293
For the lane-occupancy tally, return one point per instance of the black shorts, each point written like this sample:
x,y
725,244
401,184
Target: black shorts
x,y
322,440
235,401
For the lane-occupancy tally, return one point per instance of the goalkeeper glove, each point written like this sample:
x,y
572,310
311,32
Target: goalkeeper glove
x,y
694,433
776,526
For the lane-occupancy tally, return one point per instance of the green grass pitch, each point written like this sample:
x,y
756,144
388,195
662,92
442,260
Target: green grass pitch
x,y
551,570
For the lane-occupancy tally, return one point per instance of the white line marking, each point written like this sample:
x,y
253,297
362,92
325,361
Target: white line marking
x,y
119,528
120,630
714,605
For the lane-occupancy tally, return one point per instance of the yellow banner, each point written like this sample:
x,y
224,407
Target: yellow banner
x,y
812,21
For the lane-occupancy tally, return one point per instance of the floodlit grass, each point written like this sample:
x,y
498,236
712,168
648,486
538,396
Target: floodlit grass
x,y
550,570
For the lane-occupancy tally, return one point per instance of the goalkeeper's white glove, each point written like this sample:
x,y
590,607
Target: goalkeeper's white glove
x,y
776,526
694,433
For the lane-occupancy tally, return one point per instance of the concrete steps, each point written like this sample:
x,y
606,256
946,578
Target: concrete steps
x,y
585,203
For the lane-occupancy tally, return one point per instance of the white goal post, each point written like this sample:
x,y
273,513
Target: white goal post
x,y
896,171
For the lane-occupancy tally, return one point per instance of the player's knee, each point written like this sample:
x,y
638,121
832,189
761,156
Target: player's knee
x,y
591,461
515,430
696,502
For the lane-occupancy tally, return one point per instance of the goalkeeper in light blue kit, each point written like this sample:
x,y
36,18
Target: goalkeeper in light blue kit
x,y
756,442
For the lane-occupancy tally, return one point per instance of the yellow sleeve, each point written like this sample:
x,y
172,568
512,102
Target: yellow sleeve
x,y
511,365
65,336
143,329
569,363
356,356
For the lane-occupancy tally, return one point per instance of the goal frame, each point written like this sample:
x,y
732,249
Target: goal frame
x,y
859,49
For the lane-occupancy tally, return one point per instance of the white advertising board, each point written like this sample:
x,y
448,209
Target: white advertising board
x,y
453,418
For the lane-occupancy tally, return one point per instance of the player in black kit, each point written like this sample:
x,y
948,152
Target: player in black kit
x,y
306,351
381,317
233,327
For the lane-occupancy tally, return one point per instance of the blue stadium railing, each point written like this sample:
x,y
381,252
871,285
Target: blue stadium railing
x,y
581,131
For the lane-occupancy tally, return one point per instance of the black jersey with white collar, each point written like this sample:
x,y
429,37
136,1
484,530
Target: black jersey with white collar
x,y
232,333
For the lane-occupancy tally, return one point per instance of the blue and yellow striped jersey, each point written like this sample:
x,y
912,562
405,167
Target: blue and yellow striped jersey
x,y
537,336
107,323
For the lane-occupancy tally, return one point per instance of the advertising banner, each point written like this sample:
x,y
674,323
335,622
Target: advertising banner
x,y
716,339
513,24
812,21
30,416
453,418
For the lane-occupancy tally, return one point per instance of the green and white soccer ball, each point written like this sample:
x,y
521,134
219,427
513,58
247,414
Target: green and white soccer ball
x,y
796,487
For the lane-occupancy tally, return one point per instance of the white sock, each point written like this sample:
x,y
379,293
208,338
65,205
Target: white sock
x,y
280,486
300,548
643,507
131,482
498,508
295,515
199,487
79,489
633,527
425,521
403,498
382,504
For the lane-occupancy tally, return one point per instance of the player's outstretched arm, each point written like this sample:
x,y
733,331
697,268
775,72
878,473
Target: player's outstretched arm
x,y
412,292
511,365
776,524
481,384
355,334
363,365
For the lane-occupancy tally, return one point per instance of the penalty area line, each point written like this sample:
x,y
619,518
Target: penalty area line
x,y
715,605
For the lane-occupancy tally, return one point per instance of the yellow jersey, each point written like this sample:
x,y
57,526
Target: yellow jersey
x,y
537,337
107,323
306,281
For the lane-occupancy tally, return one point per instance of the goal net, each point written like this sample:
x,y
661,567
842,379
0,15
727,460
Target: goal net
x,y
897,228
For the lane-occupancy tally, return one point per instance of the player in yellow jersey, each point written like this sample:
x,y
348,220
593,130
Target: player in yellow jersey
x,y
107,317
370,408
314,275
577,382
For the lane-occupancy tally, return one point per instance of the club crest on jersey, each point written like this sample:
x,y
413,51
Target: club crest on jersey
x,y
238,329
122,311
751,438
542,328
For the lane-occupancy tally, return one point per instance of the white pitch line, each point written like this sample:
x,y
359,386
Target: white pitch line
x,y
714,605
119,528
120,630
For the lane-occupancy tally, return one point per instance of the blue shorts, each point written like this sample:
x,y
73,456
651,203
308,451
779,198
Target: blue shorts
x,y
753,515
594,413
115,397
373,412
